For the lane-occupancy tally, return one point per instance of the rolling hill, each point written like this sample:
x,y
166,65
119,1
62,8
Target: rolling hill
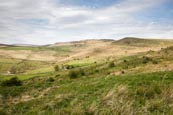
x,y
88,77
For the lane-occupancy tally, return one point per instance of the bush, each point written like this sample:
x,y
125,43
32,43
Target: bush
x,y
73,74
76,73
154,62
50,79
69,66
57,75
56,68
122,72
125,61
146,59
14,81
96,70
81,72
111,64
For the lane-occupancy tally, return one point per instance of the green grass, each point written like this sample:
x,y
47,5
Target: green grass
x,y
66,48
29,76
41,70
6,63
82,62
94,93
26,76
104,95
97,92
23,66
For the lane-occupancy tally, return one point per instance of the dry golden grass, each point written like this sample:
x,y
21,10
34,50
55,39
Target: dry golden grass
x,y
93,48
29,55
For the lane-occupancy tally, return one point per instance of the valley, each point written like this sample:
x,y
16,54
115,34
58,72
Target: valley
x,y
88,77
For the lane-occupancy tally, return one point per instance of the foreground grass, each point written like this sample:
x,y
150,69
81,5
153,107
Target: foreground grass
x,y
149,94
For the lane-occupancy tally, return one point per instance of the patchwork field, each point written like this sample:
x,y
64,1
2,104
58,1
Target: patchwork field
x,y
130,76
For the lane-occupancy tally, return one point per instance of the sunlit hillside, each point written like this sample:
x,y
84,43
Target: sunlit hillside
x,y
88,77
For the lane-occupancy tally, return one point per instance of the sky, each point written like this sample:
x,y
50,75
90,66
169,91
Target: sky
x,y
49,21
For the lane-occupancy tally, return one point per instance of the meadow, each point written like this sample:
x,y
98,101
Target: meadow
x,y
90,77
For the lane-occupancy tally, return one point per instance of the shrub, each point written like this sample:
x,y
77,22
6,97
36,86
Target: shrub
x,y
14,81
154,62
81,71
125,61
111,64
122,72
50,79
69,66
76,73
56,68
96,70
57,75
146,59
73,74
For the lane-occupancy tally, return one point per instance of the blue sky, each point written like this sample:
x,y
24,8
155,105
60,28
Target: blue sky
x,y
88,3
162,13
51,21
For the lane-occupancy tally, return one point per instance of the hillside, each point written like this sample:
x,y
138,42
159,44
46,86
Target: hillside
x,y
131,41
88,77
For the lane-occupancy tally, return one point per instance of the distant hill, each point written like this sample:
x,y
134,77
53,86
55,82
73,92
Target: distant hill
x,y
82,42
13,45
132,41
6,45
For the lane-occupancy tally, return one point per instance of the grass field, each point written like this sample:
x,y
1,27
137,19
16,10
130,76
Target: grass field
x,y
95,78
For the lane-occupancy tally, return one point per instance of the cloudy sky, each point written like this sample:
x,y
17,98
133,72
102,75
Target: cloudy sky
x,y
50,21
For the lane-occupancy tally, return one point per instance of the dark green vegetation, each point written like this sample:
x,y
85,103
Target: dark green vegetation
x,y
14,81
136,84
76,73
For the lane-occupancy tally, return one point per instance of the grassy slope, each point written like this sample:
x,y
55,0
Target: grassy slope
x,y
130,41
135,94
129,87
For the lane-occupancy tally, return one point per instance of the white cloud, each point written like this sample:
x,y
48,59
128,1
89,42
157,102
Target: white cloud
x,y
62,23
